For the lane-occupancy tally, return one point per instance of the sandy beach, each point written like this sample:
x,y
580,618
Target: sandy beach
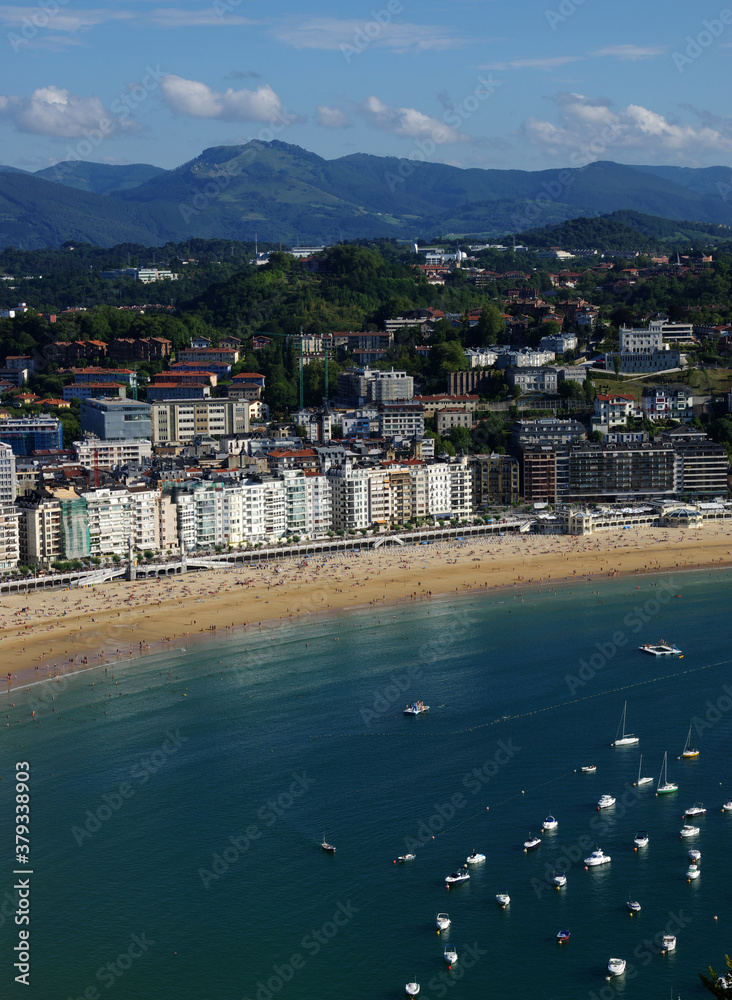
x,y
49,633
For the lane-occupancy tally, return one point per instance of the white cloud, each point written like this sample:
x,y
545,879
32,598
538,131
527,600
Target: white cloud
x,y
55,112
590,129
198,100
550,62
408,122
35,19
332,117
211,17
340,34
630,52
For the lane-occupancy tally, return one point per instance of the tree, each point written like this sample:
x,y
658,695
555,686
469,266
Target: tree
x,y
490,327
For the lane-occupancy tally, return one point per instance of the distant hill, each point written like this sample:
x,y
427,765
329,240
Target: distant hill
x,y
626,231
99,178
282,192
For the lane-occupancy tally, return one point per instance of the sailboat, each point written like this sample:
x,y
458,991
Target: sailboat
x,y
664,785
624,740
642,781
689,751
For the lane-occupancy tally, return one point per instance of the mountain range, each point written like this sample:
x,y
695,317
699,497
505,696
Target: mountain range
x,y
280,192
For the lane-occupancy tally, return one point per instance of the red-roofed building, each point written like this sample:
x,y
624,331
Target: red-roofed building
x,y
303,458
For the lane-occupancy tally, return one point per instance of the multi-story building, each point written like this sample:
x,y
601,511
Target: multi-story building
x,y
547,430
163,391
452,416
39,529
181,421
368,385
614,410
94,390
28,434
667,402
643,350
702,469
91,453
116,419
533,379
214,355
643,471
495,479
401,420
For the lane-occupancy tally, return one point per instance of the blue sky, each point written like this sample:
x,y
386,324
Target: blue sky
x,y
476,83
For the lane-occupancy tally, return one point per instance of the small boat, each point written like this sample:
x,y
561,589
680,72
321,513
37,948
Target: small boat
x,y
562,936
412,989
727,807
642,781
531,842
605,801
451,955
550,823
687,830
669,943
503,898
616,966
406,857
694,855
559,879
598,857
692,872
665,786
443,921
461,875
688,752
623,739
661,648
641,839
634,906
475,858
416,708
327,847
589,768
696,810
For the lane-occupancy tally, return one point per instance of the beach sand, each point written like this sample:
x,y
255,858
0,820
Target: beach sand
x,y
47,633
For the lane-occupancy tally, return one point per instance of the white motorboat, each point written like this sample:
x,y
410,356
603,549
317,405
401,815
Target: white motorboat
x,y
642,781
727,807
641,839
692,872
550,823
531,842
660,648
475,858
461,875
598,857
623,739
687,830
665,786
634,906
616,966
589,768
689,751
694,855
406,857
412,989
443,921
559,879
416,708
605,801
669,943
451,955
503,898
696,810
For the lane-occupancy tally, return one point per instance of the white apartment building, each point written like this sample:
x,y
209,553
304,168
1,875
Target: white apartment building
x,y
350,487
92,453
113,516
461,492
179,421
8,483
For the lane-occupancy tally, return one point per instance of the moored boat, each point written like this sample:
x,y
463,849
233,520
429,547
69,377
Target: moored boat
x,y
562,936
443,921
727,807
623,739
598,857
412,989
665,786
641,839
696,810
451,955
461,875
694,855
406,857
634,906
616,966
668,942
416,708
605,801
688,752
475,858
503,898
687,830
692,872
328,848
642,781
559,879
589,768
550,823
660,648
531,842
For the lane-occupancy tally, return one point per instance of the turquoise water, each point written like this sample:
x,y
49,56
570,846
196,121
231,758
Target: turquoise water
x,y
179,803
